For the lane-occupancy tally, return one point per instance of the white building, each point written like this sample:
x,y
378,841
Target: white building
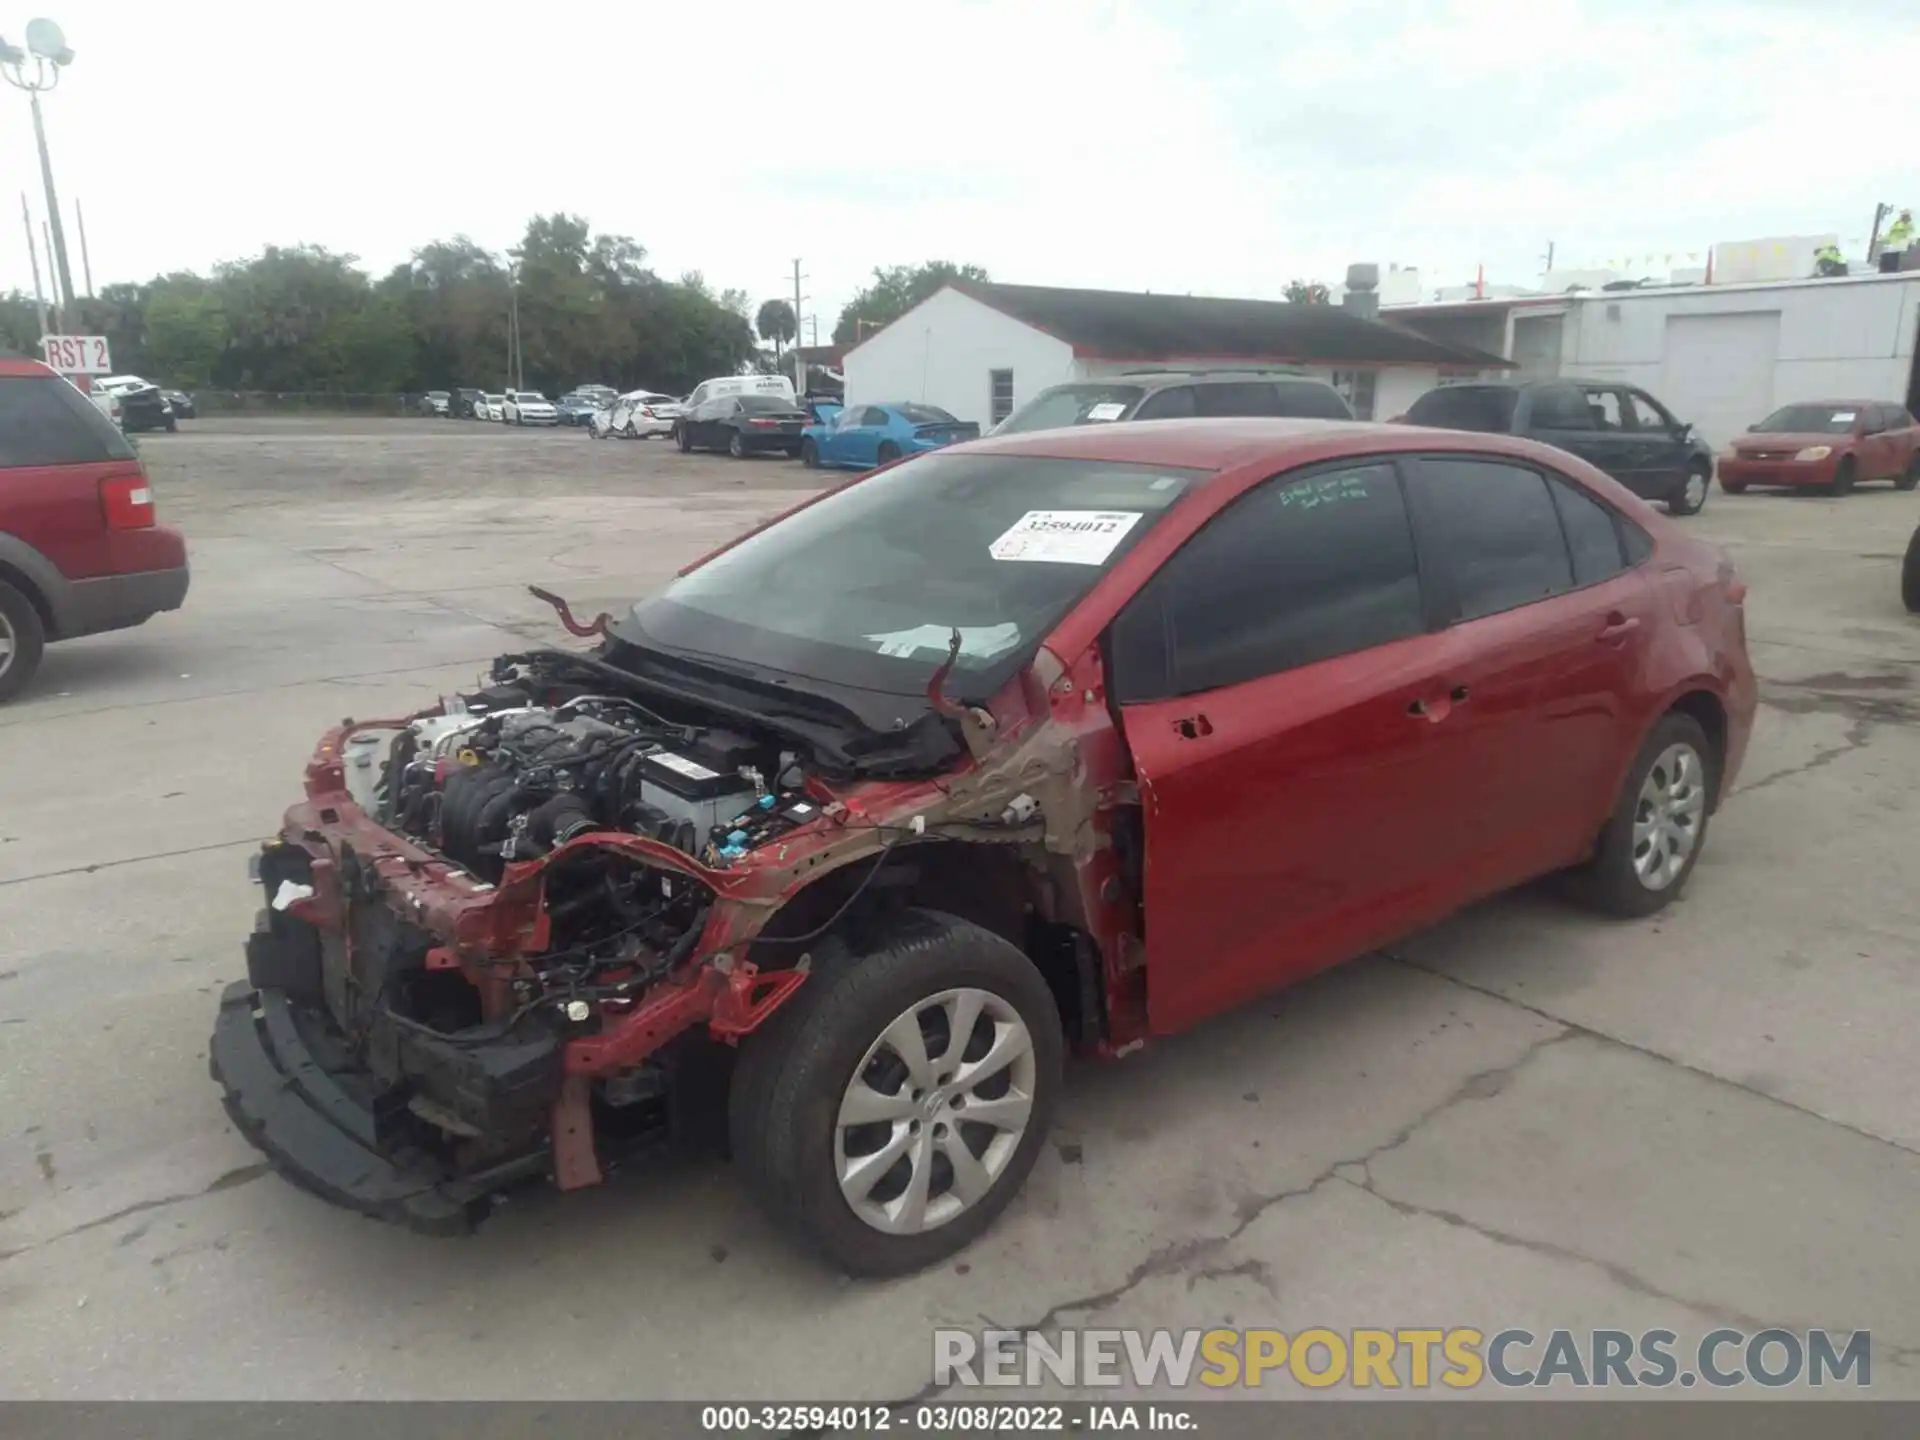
x,y
981,351
1719,356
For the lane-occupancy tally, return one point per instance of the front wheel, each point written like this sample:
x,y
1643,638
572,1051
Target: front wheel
x,y
1653,838
1734,487
1909,580
1910,477
1692,493
1844,474
891,1110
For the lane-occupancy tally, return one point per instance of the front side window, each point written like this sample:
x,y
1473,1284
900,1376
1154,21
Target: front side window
x,y
1647,414
1607,409
1498,532
866,586
1299,569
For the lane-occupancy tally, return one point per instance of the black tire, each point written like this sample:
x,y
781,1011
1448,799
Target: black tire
x,y
20,625
1910,576
736,447
887,453
173,425
809,455
1693,491
794,1071
1844,474
1610,881
686,440
1734,487
1910,477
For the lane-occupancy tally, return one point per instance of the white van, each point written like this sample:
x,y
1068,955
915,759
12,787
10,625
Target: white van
x,y
780,385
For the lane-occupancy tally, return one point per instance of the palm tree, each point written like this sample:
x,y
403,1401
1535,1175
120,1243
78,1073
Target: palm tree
x,y
777,322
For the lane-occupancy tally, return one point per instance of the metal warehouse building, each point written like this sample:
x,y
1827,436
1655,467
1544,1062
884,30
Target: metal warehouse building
x,y
1719,356
980,351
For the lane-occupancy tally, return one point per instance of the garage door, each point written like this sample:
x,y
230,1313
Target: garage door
x,y
1717,372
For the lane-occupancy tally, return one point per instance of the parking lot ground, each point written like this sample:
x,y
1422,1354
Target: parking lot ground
x,y
1526,1117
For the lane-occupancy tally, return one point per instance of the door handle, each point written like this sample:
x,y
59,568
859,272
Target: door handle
x,y
1617,628
1439,707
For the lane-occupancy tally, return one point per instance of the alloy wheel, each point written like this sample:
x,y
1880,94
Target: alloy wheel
x,y
935,1111
1696,490
7,646
1667,816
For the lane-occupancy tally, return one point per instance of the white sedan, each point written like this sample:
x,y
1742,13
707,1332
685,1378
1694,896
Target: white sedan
x,y
529,407
637,415
490,407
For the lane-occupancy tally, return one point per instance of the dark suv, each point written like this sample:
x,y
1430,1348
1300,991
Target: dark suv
x,y
79,549
1179,395
1618,428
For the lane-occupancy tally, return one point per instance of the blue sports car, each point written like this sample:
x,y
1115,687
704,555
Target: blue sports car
x,y
863,436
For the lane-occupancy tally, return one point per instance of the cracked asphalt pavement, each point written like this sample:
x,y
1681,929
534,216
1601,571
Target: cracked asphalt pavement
x,y
1525,1117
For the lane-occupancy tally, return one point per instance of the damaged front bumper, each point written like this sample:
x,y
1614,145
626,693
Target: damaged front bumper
x,y
324,1131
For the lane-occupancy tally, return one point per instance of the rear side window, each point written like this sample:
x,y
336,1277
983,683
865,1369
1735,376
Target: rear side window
x,y
1486,410
1251,397
1498,532
1310,402
1295,571
45,421
1593,539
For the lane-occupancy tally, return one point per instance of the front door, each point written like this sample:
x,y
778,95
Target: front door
x,y
1662,451
1555,413
1280,697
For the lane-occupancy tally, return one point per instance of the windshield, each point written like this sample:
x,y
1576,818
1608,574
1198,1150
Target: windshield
x,y
1810,420
763,404
496,399
438,395
999,547
1071,405
926,415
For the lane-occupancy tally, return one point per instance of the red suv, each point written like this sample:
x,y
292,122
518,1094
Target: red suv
x,y
1054,740
79,550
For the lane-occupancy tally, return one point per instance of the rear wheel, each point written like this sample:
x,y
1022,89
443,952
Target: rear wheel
x,y
1653,838
22,640
1692,493
173,426
736,447
1844,474
686,441
1910,575
889,452
1910,477
809,455
891,1110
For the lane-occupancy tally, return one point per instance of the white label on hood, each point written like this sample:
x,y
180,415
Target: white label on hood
x,y
984,642
1107,410
1065,537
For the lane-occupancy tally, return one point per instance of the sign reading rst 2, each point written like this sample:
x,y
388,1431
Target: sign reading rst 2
x,y
77,354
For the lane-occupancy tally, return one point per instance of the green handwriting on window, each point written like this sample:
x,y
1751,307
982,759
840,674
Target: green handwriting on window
x,y
1309,494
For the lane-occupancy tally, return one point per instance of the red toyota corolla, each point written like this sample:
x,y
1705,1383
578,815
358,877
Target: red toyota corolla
x,y
1061,740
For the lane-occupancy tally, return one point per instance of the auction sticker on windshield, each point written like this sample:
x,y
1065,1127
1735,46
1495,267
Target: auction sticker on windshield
x,y
1107,410
1065,537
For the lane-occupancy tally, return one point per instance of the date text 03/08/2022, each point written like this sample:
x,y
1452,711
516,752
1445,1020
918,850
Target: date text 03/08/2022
x,y
944,1418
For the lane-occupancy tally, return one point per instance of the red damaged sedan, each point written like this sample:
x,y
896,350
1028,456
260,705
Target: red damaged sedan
x,y
1828,445
828,853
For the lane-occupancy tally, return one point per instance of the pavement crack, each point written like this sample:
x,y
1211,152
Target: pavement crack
x,y
244,1175
1857,736
1573,1029
130,860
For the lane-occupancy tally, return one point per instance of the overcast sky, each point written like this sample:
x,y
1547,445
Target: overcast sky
x,y
1178,145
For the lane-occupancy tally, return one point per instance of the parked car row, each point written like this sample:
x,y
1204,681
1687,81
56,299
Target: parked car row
x,y
135,404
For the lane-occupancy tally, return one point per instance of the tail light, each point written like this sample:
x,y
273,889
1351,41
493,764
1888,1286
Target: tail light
x,y
763,424
127,502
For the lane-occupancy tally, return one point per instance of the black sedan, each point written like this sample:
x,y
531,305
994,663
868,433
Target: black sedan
x,y
182,404
743,425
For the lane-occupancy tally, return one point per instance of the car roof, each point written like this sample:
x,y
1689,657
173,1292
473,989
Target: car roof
x,y
1220,445
17,365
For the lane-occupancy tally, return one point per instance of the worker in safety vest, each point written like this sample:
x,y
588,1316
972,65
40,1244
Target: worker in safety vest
x,y
1827,260
1899,234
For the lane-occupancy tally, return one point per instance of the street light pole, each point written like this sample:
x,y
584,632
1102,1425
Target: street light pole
x,y
48,50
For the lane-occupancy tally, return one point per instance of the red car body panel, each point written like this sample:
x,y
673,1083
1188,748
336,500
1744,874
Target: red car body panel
x,y
1290,822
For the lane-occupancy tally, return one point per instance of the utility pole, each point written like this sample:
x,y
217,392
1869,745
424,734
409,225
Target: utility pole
x,y
1880,213
1549,269
33,256
813,331
799,361
62,310
48,53
86,265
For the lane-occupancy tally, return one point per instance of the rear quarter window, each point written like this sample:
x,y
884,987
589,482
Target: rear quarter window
x,y
45,421
1465,407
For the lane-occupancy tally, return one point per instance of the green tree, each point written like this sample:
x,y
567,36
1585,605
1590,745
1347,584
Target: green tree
x,y
19,323
896,289
187,333
777,322
1308,292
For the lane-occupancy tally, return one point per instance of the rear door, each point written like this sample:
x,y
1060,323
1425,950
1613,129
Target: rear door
x,y
1556,413
1294,812
56,449
1548,631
